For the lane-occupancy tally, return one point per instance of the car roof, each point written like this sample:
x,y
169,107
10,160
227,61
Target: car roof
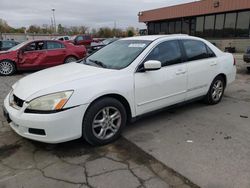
x,y
153,37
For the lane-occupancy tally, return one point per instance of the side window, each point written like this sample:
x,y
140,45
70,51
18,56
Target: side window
x,y
54,45
66,38
31,47
196,50
168,53
40,45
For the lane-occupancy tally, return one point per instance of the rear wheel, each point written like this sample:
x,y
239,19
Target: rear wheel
x,y
70,59
7,68
248,68
216,91
104,121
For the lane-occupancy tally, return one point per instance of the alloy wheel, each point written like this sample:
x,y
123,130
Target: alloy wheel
x,y
217,90
106,123
6,68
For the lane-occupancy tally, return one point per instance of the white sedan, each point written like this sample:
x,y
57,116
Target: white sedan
x,y
126,79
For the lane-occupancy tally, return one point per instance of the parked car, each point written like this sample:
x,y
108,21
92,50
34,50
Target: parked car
x,y
126,79
246,58
85,40
7,44
95,46
62,38
38,54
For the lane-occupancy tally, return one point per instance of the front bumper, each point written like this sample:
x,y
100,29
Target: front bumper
x,y
58,127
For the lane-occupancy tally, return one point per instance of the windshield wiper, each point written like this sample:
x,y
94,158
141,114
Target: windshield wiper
x,y
99,63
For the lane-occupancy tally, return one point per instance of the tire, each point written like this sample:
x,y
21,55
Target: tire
x,y
7,68
216,91
248,68
70,59
99,127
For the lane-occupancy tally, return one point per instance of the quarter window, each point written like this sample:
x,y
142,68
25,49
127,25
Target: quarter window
x,y
168,53
196,50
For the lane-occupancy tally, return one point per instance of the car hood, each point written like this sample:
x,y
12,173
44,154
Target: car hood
x,y
52,77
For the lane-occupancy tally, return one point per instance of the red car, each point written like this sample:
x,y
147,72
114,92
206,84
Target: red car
x,y
39,54
85,40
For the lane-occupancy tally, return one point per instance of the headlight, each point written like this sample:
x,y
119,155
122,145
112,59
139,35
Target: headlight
x,y
11,97
51,102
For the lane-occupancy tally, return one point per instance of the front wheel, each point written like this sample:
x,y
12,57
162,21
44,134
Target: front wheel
x,y
104,121
216,91
7,68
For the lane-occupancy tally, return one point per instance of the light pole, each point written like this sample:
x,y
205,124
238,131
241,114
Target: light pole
x,y
53,12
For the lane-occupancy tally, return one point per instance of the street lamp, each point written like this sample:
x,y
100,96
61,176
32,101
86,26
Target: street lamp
x,y
53,12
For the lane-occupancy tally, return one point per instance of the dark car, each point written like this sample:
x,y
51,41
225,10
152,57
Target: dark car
x,y
39,54
246,58
97,46
7,44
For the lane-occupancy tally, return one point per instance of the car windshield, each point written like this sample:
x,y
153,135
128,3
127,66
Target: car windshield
x,y
108,41
117,55
17,47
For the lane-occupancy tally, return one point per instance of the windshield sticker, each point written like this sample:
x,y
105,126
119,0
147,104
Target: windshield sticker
x,y
137,45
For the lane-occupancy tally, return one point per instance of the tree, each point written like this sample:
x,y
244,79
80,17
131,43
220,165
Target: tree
x,y
130,31
60,29
34,29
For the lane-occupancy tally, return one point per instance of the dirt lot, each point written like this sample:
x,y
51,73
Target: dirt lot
x,y
207,144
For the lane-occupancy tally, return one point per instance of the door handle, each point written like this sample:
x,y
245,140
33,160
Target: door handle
x,y
213,64
179,72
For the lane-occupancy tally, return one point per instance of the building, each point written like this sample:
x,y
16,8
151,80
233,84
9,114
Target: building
x,y
224,22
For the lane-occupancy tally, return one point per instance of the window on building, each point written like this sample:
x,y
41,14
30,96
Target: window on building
x,y
192,26
209,26
164,27
168,53
195,50
178,27
199,26
151,28
185,26
242,27
219,25
157,28
230,23
171,27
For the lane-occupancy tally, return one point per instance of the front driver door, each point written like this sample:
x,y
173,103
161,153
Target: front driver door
x,y
33,55
164,87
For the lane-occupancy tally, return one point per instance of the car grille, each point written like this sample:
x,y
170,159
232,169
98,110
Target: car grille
x,y
19,102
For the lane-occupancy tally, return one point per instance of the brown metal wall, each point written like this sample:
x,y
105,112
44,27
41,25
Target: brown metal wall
x,y
193,9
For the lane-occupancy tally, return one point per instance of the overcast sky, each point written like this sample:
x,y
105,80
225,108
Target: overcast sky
x,y
92,13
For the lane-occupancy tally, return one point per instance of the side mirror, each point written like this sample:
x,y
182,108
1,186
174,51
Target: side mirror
x,y
152,65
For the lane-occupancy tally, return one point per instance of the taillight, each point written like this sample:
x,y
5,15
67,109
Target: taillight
x,y
234,62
